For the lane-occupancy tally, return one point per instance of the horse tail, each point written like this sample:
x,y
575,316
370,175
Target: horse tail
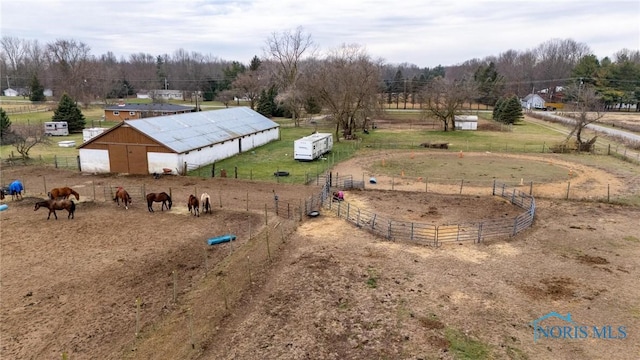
x,y
73,206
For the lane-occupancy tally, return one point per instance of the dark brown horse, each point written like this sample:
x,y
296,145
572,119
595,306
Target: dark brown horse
x,y
162,197
194,205
63,193
122,195
54,205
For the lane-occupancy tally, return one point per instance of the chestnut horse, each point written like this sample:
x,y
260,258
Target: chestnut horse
x,y
63,193
122,195
54,205
193,205
162,197
205,199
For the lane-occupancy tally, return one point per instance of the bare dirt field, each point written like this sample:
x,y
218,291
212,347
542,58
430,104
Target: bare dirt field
x,y
312,289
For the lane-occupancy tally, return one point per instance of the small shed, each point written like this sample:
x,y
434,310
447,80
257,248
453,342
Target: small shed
x,y
179,142
466,122
532,101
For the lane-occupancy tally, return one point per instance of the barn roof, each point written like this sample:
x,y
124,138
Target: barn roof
x,y
185,132
158,107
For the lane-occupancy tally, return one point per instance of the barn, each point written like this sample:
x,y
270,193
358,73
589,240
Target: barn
x,y
179,142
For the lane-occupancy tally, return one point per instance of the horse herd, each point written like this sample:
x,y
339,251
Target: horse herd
x,y
60,199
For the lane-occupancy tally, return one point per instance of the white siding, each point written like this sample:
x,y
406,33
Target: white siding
x,y
158,161
94,161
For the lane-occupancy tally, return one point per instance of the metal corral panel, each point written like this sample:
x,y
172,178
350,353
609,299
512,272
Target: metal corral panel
x,y
186,132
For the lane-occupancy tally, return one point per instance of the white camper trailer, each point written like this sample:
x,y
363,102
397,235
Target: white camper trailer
x,y
56,128
313,146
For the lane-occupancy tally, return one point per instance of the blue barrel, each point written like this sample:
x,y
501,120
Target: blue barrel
x,y
4,207
221,239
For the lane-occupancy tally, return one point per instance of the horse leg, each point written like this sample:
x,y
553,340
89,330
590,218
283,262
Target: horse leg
x,y
70,216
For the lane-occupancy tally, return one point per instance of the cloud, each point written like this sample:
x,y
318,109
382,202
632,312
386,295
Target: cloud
x,y
425,33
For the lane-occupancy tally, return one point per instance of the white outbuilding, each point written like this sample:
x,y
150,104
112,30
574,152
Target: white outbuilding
x,y
466,122
176,143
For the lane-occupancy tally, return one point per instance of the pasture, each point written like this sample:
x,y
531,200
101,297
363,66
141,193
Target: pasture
x,y
97,280
116,283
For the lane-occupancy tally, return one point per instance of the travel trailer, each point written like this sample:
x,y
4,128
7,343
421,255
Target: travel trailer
x,y
313,146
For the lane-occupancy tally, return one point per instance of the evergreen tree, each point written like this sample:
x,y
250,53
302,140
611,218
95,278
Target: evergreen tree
x,y
490,84
255,63
5,126
69,111
37,90
511,111
497,110
267,103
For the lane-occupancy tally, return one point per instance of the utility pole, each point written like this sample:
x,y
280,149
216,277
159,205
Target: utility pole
x,y
166,85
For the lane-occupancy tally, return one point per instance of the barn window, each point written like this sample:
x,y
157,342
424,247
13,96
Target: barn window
x,y
116,112
132,112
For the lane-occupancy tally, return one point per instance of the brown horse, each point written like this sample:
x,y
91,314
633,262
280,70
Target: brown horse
x,y
54,205
122,195
205,199
194,205
162,197
63,193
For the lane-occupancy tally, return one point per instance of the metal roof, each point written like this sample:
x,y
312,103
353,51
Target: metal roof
x,y
158,107
185,132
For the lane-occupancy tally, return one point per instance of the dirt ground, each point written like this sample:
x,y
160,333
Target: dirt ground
x,y
329,291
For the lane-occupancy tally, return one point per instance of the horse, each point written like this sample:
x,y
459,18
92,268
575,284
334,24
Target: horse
x,y
205,199
194,205
15,190
122,194
63,193
159,197
54,205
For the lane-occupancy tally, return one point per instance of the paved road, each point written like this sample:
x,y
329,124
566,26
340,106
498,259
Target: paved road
x,y
594,127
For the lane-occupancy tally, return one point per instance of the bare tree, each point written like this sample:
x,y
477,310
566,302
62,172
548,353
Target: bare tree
x,y
14,49
444,98
71,60
225,97
23,137
347,84
588,106
286,50
249,84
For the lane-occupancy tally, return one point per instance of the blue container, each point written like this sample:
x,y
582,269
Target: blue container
x,y
4,207
221,239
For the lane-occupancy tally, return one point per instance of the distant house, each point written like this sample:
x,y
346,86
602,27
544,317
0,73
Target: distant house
x,y
10,92
178,143
532,101
143,94
166,94
466,122
123,111
48,92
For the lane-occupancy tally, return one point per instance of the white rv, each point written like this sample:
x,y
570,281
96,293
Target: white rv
x,y
313,146
56,128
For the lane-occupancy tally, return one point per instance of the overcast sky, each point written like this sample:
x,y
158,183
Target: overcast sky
x,y
421,32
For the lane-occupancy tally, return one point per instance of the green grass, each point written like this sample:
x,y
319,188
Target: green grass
x,y
464,347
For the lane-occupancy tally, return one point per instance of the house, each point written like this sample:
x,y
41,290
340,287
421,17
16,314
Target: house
x,y
124,111
466,122
179,142
10,92
532,101
166,94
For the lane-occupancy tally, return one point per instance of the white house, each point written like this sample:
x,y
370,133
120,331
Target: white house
x,y
532,101
166,94
179,142
466,122
10,92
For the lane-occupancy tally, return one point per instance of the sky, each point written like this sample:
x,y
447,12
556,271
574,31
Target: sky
x,y
421,32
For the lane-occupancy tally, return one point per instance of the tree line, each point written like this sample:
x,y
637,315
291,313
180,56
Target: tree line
x,y
293,78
